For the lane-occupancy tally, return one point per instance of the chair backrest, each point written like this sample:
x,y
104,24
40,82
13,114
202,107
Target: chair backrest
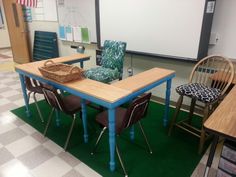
x,y
214,71
52,97
113,55
136,110
45,45
31,84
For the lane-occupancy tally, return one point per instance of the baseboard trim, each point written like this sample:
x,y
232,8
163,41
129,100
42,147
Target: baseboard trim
x,y
184,107
3,48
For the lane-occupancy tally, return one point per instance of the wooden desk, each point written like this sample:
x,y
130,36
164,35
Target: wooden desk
x,y
109,96
222,122
149,77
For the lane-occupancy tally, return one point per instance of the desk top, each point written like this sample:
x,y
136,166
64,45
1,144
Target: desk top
x,y
65,59
223,119
32,67
143,79
105,92
99,90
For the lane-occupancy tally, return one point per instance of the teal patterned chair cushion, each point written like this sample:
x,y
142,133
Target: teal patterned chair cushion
x,y
111,63
113,54
102,74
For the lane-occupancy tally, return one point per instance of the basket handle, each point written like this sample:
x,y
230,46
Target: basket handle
x,y
47,62
74,68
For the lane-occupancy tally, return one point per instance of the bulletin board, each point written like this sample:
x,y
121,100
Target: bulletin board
x,y
78,13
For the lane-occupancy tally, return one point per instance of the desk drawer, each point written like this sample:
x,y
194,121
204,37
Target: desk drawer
x,y
221,173
227,166
229,153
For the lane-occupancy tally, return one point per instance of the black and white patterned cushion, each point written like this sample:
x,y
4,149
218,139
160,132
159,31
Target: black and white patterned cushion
x,y
199,91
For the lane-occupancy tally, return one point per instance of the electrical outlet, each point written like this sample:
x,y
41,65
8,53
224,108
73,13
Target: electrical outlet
x,y
130,71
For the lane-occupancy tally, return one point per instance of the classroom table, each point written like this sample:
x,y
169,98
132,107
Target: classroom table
x,y
108,96
222,122
76,58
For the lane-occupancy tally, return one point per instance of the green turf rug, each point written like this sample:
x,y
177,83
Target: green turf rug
x,y
174,156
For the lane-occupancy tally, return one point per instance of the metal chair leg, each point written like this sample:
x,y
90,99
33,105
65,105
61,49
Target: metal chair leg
x,y
98,140
36,104
70,132
120,160
29,93
203,134
49,121
177,109
145,137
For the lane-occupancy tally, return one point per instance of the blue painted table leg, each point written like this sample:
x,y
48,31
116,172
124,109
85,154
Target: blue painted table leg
x,y
112,138
26,99
82,64
84,119
167,103
131,133
57,118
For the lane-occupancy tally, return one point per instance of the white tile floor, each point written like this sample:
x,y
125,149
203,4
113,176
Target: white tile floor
x,y
24,152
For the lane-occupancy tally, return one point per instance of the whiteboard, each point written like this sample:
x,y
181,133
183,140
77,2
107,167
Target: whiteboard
x,y
163,27
46,11
78,13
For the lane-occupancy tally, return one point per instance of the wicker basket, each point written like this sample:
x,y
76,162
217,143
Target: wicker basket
x,y
60,72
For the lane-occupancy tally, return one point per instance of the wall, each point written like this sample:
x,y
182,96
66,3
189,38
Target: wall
x,y
4,36
141,63
224,27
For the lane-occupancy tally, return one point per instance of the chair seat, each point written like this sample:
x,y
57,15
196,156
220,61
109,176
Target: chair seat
x,y
102,74
199,91
37,89
102,118
72,104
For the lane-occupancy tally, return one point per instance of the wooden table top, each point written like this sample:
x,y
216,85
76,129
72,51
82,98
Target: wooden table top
x,y
223,119
96,89
143,79
64,59
109,93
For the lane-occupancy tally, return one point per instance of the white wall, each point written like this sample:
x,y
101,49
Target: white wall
x,y
141,63
4,36
224,26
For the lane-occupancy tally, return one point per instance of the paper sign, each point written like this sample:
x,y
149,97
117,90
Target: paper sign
x,y
210,7
69,34
85,35
77,34
62,33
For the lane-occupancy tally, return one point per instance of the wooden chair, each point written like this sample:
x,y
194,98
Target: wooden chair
x,y
208,83
125,118
68,104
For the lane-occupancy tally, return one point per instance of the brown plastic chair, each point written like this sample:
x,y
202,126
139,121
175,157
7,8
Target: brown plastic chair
x,y
125,118
209,81
34,87
68,104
